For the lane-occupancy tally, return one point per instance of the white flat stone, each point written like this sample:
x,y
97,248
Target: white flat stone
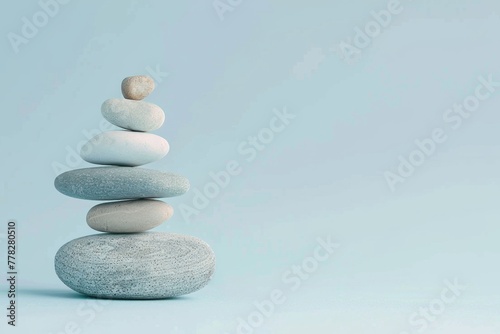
x,y
124,148
128,216
133,115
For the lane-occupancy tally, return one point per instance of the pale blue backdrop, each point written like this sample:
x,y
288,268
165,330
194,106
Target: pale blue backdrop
x,y
221,76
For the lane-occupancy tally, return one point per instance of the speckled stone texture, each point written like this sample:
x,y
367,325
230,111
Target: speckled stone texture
x,y
124,148
135,266
137,87
115,183
128,216
133,115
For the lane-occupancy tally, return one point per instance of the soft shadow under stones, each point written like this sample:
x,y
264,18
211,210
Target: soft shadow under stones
x,y
68,294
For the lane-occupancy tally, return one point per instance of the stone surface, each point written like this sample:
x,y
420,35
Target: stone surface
x,y
114,183
133,115
124,148
135,266
128,216
137,87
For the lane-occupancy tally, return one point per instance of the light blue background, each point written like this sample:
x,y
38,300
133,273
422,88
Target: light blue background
x,y
323,175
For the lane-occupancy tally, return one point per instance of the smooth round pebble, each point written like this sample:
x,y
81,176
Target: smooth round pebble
x,y
124,148
150,265
128,216
133,115
115,183
137,87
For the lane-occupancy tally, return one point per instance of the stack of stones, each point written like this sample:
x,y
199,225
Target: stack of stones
x,y
126,262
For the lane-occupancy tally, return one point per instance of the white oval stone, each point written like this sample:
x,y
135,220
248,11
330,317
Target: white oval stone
x,y
149,265
137,87
133,115
128,216
124,148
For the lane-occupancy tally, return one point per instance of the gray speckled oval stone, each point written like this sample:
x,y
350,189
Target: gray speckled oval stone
x,y
137,87
114,183
124,148
128,216
135,266
133,115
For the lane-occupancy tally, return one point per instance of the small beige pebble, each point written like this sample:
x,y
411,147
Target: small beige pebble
x,y
137,87
129,216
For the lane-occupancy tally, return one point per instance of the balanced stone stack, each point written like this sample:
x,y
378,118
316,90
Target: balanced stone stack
x,y
127,262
